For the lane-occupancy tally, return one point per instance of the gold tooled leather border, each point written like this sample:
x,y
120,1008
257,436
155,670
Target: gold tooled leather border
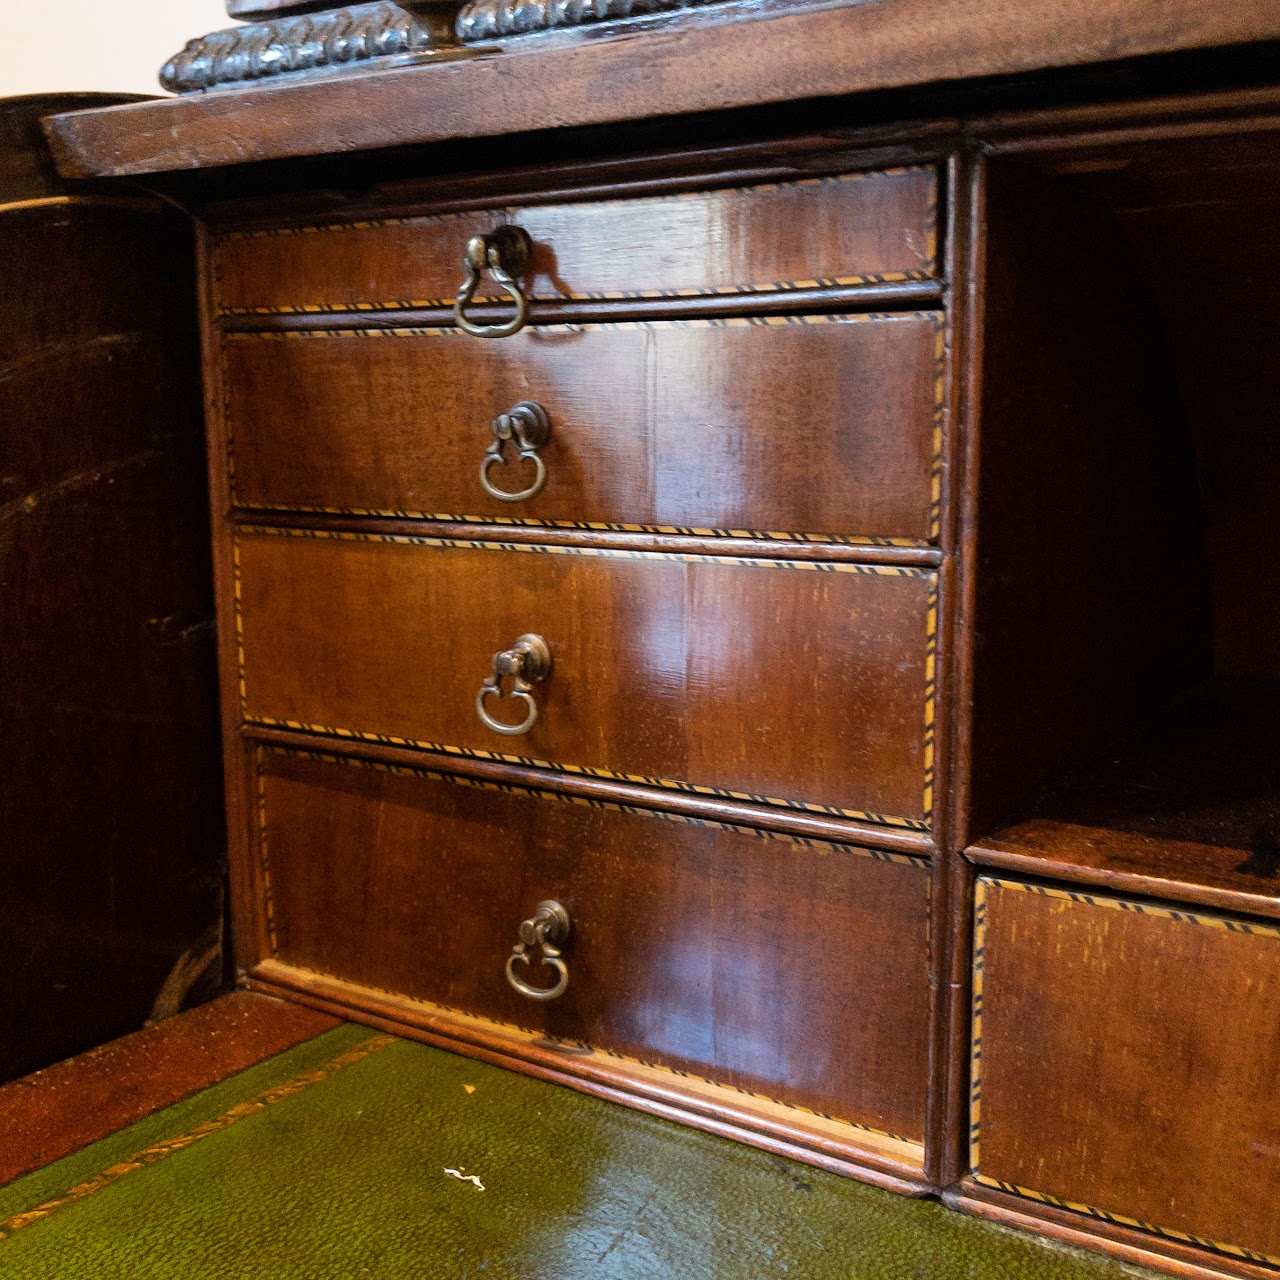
x,y
169,1146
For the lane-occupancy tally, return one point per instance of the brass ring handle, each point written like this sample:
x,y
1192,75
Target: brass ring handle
x,y
504,254
546,931
528,428
509,730
527,662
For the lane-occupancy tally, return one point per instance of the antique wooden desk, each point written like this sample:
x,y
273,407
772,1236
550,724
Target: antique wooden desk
x,y
771,513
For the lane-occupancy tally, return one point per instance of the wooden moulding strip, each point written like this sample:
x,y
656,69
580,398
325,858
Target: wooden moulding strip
x,y
750,545
901,294
117,204
837,830
882,1159
1126,1244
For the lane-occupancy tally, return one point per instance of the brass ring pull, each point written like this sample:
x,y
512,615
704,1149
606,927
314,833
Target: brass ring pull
x,y
504,254
547,931
529,428
527,662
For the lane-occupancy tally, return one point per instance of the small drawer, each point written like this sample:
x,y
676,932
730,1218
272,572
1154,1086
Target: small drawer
x,y
1125,1063
781,682
795,970
816,232
823,426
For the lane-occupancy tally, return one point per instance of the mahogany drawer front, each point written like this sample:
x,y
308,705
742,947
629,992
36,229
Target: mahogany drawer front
x,y
828,426
1110,1027
799,971
864,227
786,682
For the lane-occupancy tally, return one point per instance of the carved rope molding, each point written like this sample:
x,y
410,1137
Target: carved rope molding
x,y
329,40
485,19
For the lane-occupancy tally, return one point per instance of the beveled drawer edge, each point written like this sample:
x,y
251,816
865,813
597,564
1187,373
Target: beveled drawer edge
x,y
924,823
997,855
263,510
508,211
638,295
532,762
809,1135
917,845
936,458
920,861
1221,922
876,295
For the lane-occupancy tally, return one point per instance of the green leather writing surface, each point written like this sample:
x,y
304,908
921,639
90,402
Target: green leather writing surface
x,y
332,1160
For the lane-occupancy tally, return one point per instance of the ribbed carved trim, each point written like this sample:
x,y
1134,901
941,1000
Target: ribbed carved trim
x,y
335,38
485,19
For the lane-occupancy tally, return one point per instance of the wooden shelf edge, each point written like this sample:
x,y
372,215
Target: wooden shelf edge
x,y
891,1163
1002,855
712,62
1122,1243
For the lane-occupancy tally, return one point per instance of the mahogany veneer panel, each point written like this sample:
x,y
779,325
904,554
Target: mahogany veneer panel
x,y
829,426
790,682
794,969
1128,1062
850,229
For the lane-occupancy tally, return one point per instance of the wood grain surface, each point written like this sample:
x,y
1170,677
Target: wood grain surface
x,y
731,58
829,427
771,679
850,229
54,1112
695,945
111,845
1111,1028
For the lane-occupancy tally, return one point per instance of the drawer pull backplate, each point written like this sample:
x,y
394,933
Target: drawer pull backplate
x,y
528,428
546,932
504,254
527,662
